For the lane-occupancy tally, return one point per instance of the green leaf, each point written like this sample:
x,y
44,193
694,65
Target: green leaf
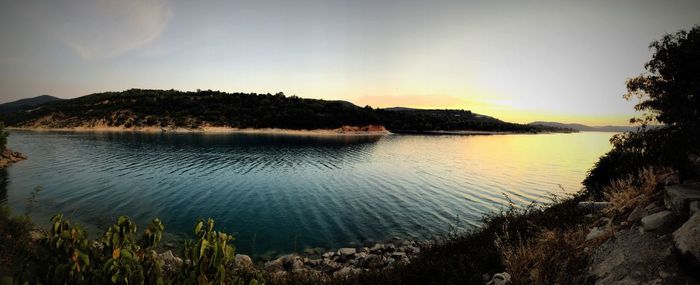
x,y
202,248
84,258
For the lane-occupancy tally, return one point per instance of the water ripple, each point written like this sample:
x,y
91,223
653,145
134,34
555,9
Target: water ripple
x,y
280,193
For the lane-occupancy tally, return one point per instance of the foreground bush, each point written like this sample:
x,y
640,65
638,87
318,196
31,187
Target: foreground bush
x,y
66,255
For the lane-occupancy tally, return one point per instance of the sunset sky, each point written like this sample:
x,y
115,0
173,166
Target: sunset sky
x,y
518,60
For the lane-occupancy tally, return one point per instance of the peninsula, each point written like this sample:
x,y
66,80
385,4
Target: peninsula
x,y
215,111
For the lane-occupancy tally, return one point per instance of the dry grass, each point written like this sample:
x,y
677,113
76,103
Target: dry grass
x,y
561,255
636,190
554,257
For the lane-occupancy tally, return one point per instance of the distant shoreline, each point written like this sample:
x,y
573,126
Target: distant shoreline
x,y
344,131
477,133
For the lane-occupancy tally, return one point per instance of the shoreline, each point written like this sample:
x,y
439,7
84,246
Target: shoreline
x,y
343,131
9,157
476,133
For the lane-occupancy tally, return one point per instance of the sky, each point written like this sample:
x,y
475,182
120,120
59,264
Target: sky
x,y
519,61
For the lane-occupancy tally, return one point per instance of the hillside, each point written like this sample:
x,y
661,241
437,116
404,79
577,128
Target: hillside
x,y
137,108
11,107
585,128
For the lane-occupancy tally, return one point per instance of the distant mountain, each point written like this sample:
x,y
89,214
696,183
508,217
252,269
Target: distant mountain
x,y
584,128
399,109
27,103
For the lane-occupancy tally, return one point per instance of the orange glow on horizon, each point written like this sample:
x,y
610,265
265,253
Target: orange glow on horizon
x,y
494,108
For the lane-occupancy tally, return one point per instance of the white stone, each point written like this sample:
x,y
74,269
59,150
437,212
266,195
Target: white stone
x,y
500,279
242,261
595,233
687,239
346,251
377,247
658,221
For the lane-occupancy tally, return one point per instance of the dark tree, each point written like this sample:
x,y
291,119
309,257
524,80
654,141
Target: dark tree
x,y
668,94
669,91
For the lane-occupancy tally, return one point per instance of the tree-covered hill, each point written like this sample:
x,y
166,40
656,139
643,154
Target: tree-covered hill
x,y
136,108
11,107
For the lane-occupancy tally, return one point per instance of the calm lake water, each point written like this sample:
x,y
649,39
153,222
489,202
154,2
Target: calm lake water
x,y
280,193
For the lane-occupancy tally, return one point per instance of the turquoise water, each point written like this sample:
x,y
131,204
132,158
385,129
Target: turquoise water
x,y
282,193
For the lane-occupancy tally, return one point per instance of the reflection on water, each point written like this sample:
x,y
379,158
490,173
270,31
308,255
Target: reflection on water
x,y
279,192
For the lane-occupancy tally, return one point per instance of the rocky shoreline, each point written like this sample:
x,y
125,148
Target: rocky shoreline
x,y
347,260
9,157
651,243
317,262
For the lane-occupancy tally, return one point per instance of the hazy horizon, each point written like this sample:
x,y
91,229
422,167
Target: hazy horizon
x,y
563,61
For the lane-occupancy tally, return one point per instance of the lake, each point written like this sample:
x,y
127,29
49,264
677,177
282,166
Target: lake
x,y
283,193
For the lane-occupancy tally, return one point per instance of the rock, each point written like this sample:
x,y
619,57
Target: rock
x,y
374,261
389,248
171,263
98,245
694,208
167,255
633,258
329,265
288,262
595,233
653,208
677,197
279,275
314,262
361,255
296,264
376,248
8,157
412,249
35,235
500,279
595,206
659,221
275,265
637,214
346,271
329,254
687,240
346,251
243,261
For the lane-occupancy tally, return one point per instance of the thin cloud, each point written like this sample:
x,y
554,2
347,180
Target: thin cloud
x,y
103,29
